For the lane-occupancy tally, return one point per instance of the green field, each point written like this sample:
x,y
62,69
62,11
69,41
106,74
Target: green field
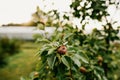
x,y
20,64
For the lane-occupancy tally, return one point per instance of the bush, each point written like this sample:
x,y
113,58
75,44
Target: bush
x,y
71,54
77,56
8,47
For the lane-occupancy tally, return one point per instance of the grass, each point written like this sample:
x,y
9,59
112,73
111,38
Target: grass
x,y
20,64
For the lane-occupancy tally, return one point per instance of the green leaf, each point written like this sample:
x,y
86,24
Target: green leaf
x,y
72,49
99,69
98,75
66,17
43,49
82,57
42,67
51,61
43,40
22,78
41,26
68,35
60,74
65,62
76,60
56,36
31,75
104,78
51,51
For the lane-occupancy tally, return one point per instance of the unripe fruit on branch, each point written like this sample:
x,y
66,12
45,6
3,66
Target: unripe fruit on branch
x,y
100,60
83,70
62,50
36,74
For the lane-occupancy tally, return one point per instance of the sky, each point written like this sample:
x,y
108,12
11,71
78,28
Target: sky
x,y
19,11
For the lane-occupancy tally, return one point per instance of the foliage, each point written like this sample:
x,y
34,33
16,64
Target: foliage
x,y
71,54
49,19
20,64
98,60
8,47
90,8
